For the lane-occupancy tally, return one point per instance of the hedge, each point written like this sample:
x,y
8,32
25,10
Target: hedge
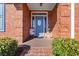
x,y
8,46
65,47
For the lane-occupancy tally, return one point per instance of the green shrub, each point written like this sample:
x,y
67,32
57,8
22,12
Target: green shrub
x,y
65,47
7,46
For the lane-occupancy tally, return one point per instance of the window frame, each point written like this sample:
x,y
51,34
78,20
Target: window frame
x,y
3,18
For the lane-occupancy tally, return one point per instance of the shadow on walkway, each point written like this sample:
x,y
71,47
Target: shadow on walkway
x,y
21,48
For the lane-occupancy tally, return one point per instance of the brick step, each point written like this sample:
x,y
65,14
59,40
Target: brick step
x,y
38,51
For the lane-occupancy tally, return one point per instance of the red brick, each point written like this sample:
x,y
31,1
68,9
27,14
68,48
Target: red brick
x,y
18,21
77,21
59,20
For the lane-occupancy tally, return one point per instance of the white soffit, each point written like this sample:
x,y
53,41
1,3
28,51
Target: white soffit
x,y
45,6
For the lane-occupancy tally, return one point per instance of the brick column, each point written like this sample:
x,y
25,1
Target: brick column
x,y
76,21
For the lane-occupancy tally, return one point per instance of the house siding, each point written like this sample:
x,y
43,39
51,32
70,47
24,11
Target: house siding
x,y
59,21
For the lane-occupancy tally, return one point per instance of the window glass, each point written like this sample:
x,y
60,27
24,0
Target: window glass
x,y
1,17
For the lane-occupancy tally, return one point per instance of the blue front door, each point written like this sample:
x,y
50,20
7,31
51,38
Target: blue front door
x,y
39,26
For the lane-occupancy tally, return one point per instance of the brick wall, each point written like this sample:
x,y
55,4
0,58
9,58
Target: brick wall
x,y
26,22
77,21
59,20
13,21
15,15
18,22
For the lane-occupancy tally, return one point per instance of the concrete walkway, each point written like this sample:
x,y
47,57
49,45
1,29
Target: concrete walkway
x,y
39,42
37,47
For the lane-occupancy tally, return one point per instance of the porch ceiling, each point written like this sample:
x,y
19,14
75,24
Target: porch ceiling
x,y
37,6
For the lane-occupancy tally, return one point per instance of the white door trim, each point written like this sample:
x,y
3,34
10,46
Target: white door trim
x,y
72,21
40,15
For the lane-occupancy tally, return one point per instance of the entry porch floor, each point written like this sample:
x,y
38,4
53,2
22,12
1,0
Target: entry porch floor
x,y
37,47
39,42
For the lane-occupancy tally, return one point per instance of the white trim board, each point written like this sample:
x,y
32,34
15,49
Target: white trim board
x,y
40,15
45,6
72,21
